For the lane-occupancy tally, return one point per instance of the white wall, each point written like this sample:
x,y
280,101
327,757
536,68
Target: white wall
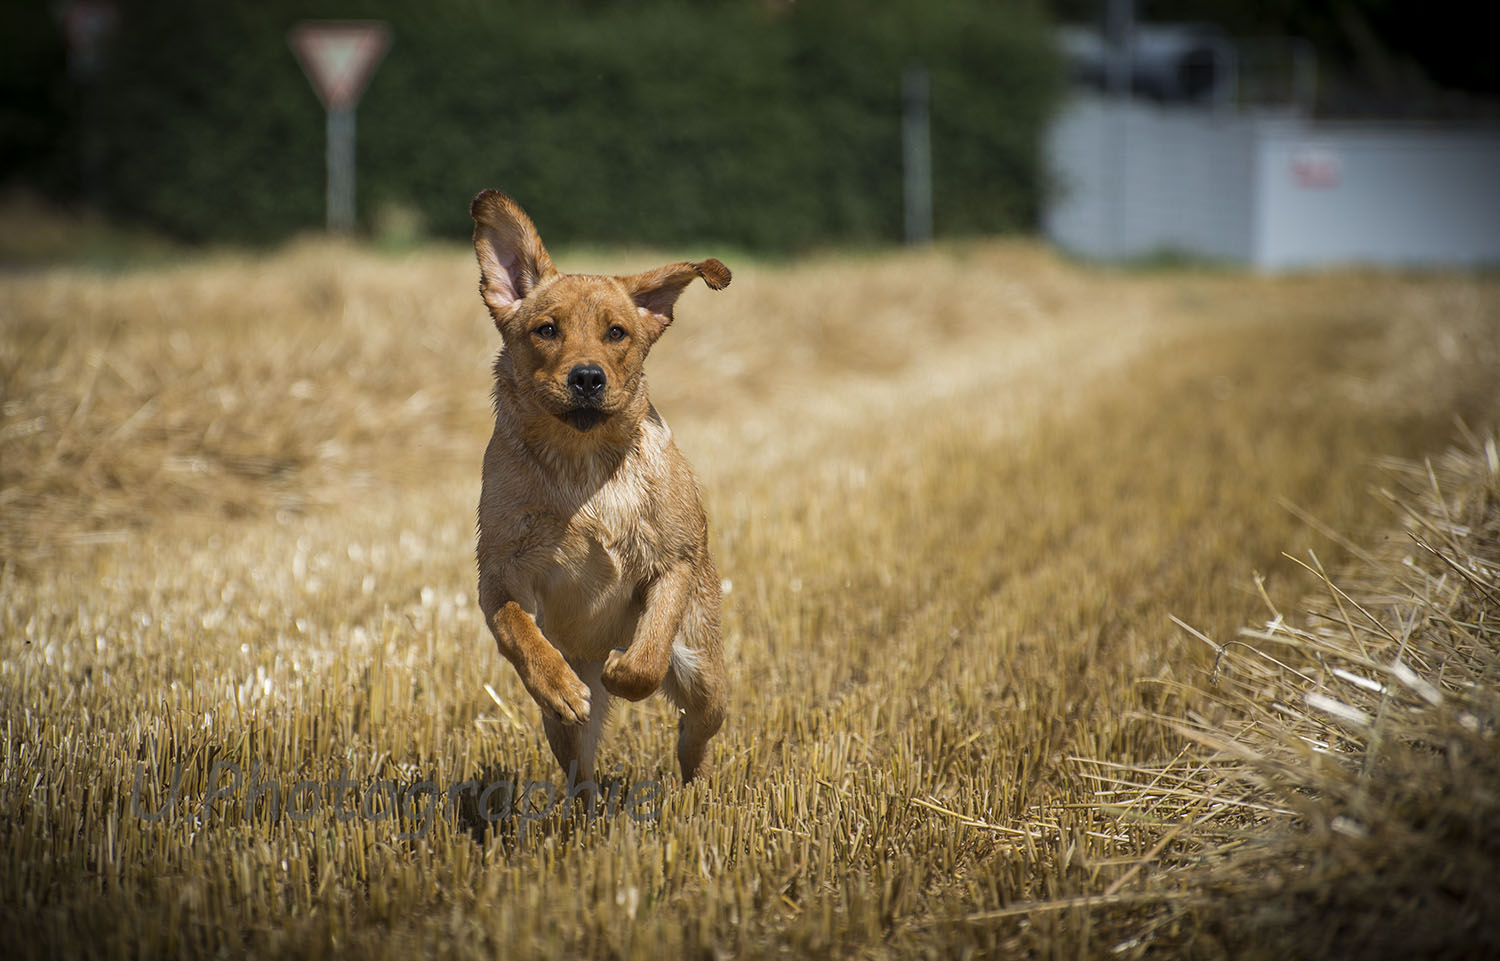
x,y
1141,180
1397,195
1272,192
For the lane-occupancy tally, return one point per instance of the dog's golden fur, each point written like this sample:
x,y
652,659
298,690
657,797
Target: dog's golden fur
x,y
594,571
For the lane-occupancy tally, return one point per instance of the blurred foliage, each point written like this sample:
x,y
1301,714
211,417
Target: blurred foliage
x,y
33,93
1370,37
1376,58
768,125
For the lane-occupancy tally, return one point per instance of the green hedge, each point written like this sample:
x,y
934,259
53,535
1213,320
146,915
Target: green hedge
x,y
764,124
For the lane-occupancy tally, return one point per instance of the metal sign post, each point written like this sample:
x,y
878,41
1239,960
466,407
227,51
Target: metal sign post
x,y
916,154
340,169
89,27
339,57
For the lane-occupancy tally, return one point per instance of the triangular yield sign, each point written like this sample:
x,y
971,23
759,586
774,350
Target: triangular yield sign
x,y
339,56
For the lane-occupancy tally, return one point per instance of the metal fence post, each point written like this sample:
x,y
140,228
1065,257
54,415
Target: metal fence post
x,y
916,153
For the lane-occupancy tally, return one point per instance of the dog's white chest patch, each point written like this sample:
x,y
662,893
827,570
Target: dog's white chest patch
x,y
589,595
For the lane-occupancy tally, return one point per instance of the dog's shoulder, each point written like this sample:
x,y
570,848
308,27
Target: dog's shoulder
x,y
676,508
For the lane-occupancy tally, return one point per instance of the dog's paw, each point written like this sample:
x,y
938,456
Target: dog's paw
x,y
624,676
559,691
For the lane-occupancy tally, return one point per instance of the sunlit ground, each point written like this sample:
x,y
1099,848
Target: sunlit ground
x,y
955,496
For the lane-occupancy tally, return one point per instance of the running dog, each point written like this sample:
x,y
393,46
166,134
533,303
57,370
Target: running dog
x,y
594,571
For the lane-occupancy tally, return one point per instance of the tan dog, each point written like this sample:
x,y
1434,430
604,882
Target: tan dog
x,y
594,571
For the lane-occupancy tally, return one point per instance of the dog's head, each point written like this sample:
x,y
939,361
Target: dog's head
x,y
576,342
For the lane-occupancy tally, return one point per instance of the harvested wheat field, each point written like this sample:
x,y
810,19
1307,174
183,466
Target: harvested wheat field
x,y
958,498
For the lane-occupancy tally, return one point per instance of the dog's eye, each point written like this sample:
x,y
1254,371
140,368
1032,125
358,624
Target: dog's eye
x,y
546,331
616,333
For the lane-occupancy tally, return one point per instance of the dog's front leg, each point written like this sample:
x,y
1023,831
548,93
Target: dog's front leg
x,y
548,678
636,672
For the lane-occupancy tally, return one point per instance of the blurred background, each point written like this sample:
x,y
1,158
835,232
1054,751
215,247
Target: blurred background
x,y
1275,134
960,491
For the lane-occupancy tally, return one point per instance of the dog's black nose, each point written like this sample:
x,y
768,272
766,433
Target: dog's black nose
x,y
586,381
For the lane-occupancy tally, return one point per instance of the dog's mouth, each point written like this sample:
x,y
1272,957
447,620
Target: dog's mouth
x,y
583,418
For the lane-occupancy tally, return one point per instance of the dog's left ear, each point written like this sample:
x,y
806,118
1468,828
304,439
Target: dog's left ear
x,y
512,260
655,292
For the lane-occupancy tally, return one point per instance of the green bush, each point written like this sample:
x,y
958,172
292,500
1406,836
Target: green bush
x,y
766,125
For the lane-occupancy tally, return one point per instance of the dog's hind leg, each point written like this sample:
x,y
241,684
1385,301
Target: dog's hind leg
x,y
695,683
574,744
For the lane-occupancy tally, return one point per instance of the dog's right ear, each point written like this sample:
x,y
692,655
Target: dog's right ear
x,y
512,260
